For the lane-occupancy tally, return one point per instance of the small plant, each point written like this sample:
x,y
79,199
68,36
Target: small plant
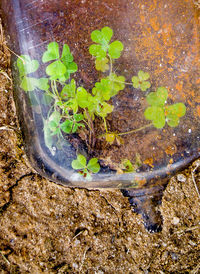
x,y
85,169
70,109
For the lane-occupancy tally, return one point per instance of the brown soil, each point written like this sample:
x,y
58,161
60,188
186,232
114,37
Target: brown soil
x,y
47,228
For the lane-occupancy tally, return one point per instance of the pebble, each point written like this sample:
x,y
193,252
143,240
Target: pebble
x,y
181,178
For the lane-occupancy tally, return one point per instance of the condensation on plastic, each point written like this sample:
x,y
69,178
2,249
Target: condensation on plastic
x,y
172,58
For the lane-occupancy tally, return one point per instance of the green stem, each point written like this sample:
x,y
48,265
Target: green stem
x,y
105,125
126,83
134,130
111,64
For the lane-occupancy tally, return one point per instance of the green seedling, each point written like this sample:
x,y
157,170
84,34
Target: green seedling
x,y
85,169
69,108
62,66
103,47
140,81
160,113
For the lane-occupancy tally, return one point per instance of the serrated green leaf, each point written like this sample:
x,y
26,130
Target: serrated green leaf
x,y
52,52
67,126
157,115
115,49
93,165
103,89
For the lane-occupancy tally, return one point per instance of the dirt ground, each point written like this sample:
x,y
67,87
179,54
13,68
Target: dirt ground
x,y
47,228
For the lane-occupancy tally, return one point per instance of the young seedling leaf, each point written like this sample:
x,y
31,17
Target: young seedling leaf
x,y
29,83
97,51
140,80
102,64
157,98
79,163
157,115
67,126
115,49
93,165
26,65
52,52
110,138
43,84
82,97
56,70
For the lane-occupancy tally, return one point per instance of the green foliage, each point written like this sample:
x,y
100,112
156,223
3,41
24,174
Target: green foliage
x,y
62,66
159,113
72,107
140,81
85,169
102,38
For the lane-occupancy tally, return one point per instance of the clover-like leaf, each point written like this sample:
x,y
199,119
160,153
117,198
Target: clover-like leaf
x,y
93,165
110,138
140,80
157,98
103,89
116,83
69,90
143,76
155,114
115,49
26,65
104,109
43,84
67,126
56,70
102,64
82,97
29,83
52,52
79,163
127,166
102,38
98,51
78,117
173,113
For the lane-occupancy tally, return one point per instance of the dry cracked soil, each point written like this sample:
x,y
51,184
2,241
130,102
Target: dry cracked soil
x,y
47,228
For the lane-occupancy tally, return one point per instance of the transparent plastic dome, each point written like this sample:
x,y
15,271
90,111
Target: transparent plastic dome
x,y
107,92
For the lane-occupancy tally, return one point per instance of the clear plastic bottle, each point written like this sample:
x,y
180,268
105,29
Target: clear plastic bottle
x,y
144,137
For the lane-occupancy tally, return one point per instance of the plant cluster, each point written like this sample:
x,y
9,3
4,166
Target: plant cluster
x,y
72,107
